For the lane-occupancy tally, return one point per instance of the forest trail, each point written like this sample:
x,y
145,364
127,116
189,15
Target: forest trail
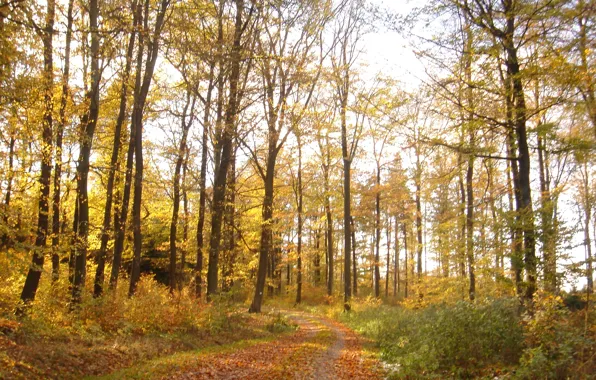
x,y
319,349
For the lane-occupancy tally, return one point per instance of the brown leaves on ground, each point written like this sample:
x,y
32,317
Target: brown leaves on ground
x,y
320,349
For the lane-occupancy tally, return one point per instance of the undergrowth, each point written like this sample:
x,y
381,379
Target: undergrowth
x,y
113,331
487,338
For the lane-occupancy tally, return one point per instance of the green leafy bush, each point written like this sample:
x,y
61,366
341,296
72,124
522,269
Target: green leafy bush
x,y
460,339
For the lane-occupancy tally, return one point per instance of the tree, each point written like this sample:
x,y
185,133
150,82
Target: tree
x,y
32,281
88,125
282,76
348,31
114,168
140,97
226,142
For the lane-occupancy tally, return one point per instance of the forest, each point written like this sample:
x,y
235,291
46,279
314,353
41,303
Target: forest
x,y
318,189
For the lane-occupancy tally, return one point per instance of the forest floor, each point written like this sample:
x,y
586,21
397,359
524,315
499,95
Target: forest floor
x,y
277,345
318,348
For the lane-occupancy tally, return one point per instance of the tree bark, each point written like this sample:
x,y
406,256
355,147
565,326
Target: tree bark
x,y
405,231
182,151
59,137
34,273
377,232
137,124
115,164
219,186
299,248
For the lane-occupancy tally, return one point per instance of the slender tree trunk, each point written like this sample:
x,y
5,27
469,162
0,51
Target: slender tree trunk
x,y
6,238
89,122
419,243
219,186
396,284
405,230
470,226
203,176
299,248
34,273
520,118
317,258
115,164
182,151
388,257
587,217
59,136
329,221
137,124
186,217
354,261
546,212
378,233
229,226
461,260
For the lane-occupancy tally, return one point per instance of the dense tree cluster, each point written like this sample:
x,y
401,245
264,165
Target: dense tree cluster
x,y
259,152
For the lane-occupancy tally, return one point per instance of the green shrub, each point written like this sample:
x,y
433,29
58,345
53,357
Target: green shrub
x,y
460,339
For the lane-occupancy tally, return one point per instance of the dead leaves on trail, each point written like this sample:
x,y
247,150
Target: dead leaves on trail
x,y
319,349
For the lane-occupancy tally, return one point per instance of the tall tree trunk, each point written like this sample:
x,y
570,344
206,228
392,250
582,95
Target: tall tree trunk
x,y
405,230
461,257
34,273
89,122
585,171
229,226
317,257
419,243
470,225
546,215
203,175
5,218
186,217
388,257
329,239
396,284
378,232
182,151
120,225
347,163
219,186
354,261
520,118
59,137
115,164
299,248
137,124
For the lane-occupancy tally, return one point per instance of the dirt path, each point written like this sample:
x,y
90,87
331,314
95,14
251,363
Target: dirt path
x,y
319,349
